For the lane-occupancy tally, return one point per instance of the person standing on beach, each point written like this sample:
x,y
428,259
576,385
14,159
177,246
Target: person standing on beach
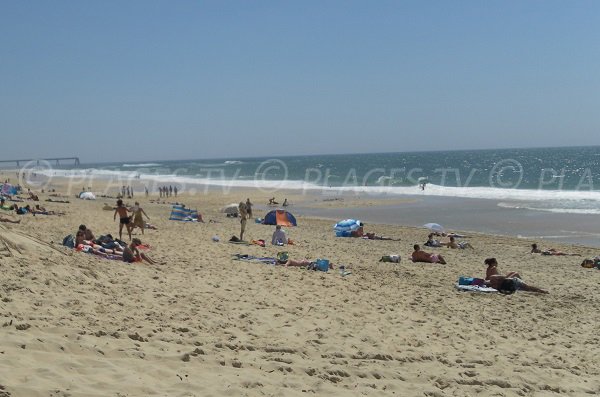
x,y
170,190
249,208
175,191
124,219
243,219
138,219
146,190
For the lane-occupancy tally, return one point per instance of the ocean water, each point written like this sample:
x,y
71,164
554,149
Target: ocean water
x,y
553,180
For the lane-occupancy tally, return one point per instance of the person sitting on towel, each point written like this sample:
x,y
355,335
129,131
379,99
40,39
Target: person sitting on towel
x,y
492,269
279,237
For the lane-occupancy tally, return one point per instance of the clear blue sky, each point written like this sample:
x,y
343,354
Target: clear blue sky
x,y
158,80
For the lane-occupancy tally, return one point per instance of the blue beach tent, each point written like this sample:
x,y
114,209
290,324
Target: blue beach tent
x,y
280,217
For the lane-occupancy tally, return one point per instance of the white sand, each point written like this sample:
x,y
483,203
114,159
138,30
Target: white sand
x,y
204,325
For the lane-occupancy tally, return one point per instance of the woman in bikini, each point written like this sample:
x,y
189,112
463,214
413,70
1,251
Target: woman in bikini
x,y
492,269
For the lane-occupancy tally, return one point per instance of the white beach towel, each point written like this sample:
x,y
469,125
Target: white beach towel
x,y
474,288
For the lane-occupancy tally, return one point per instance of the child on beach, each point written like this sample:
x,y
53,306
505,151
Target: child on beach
x,y
243,219
124,218
132,254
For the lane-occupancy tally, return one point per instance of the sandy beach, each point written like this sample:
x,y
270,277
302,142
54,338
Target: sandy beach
x,y
202,324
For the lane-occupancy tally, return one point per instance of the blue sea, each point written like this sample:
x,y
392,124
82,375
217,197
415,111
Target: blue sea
x,y
539,194
559,180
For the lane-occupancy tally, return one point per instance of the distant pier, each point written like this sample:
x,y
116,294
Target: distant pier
x,y
56,160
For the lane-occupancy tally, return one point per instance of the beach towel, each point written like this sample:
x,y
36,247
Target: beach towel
x,y
474,288
180,213
8,190
252,258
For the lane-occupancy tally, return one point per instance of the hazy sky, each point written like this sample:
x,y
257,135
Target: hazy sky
x,y
157,80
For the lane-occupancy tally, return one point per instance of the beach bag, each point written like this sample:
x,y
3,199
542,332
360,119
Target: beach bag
x,y
588,264
322,265
390,258
282,257
69,241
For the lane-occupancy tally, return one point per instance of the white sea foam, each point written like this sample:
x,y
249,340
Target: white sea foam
x,y
141,165
233,162
558,201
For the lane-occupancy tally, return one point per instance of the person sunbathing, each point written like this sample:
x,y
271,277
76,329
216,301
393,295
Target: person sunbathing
x,y
296,263
431,242
43,211
373,236
3,219
509,285
454,245
422,256
492,269
82,244
550,251
132,254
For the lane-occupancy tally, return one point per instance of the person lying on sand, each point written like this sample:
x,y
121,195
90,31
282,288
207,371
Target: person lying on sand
x,y
83,245
509,285
422,256
296,263
43,211
132,254
454,245
373,236
492,269
3,219
550,251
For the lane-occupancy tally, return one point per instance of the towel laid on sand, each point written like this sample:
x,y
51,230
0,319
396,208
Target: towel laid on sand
x,y
474,288
252,258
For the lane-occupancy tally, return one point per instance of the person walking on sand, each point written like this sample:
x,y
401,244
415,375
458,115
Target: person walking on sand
x,y
243,219
138,217
175,191
249,208
124,219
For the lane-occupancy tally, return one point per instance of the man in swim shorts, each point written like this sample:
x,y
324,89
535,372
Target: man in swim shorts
x,y
422,256
124,218
509,285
